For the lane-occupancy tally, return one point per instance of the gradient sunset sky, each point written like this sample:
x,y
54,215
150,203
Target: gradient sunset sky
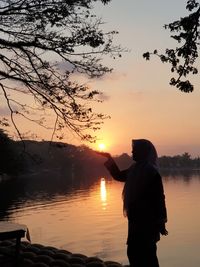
x,y
140,100
137,94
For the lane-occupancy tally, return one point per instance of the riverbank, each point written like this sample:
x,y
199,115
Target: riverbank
x,y
37,255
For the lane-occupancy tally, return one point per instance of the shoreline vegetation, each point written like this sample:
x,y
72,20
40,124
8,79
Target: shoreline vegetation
x,y
37,255
45,155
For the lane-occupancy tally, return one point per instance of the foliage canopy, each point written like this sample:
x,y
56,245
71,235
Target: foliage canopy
x,y
186,31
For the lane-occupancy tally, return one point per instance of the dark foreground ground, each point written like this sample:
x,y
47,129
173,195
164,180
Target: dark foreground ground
x,y
36,255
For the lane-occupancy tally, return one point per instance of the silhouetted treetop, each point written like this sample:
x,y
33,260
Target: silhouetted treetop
x,y
10,161
186,31
43,44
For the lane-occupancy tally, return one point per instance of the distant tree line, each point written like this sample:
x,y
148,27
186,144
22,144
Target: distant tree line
x,y
71,159
184,161
11,159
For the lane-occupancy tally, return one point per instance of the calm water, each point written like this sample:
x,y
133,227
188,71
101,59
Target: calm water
x,y
85,216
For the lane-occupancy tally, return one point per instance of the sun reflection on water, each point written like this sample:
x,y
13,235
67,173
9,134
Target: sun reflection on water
x,y
103,193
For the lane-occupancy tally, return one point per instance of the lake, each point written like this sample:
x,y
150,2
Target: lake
x,y
85,215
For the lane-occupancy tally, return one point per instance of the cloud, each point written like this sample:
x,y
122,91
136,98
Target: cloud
x,y
103,97
113,76
4,111
64,66
136,95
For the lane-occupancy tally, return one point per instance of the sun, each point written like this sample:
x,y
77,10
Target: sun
x,y
102,146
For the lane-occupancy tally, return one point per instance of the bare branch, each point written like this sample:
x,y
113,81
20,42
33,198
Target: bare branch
x,y
35,37
12,115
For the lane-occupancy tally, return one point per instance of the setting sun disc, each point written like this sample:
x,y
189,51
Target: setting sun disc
x,y
102,146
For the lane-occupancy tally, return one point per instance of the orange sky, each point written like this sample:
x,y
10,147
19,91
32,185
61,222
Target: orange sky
x,y
141,102
138,96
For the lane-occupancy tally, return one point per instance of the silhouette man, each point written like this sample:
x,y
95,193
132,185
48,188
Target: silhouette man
x,y
144,203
